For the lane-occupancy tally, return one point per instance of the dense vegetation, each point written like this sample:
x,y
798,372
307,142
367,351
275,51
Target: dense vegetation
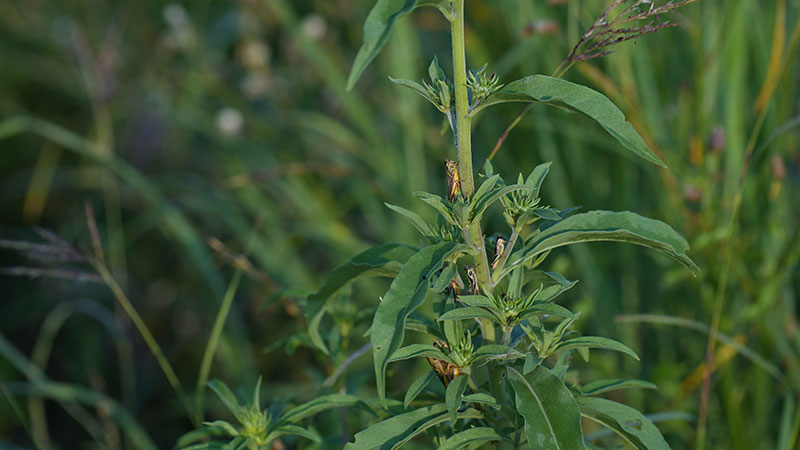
x,y
177,180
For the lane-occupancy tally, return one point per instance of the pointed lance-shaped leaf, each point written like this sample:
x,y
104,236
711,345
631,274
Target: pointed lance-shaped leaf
x,y
453,395
598,387
406,293
418,351
418,386
586,342
470,437
575,97
384,260
608,226
627,422
319,404
552,418
419,223
224,393
377,29
395,431
467,312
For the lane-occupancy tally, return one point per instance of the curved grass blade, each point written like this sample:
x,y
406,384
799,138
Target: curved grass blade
x,y
63,392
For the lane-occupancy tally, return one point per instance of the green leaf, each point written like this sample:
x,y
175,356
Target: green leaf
x,y
406,293
434,71
224,393
323,403
444,278
415,219
205,446
476,301
397,430
482,398
552,418
536,177
467,312
547,213
485,188
211,430
292,430
471,436
493,350
452,396
549,293
516,281
414,86
418,386
608,226
237,443
630,424
377,29
439,205
480,205
384,260
418,351
558,92
531,363
221,425
601,386
547,308
596,342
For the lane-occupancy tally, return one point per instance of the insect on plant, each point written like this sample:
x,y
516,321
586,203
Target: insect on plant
x,y
500,344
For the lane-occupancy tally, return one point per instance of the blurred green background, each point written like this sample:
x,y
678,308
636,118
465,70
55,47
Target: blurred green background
x,y
209,137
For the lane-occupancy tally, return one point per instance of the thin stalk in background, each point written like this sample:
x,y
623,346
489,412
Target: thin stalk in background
x,y
768,91
213,342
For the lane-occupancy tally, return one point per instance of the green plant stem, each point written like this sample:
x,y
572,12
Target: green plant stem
x,y
464,140
507,334
463,122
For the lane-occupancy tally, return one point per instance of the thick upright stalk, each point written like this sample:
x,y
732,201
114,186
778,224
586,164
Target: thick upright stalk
x,y
474,233
463,135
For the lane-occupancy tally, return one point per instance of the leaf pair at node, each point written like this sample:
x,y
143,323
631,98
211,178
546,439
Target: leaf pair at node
x,y
258,428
